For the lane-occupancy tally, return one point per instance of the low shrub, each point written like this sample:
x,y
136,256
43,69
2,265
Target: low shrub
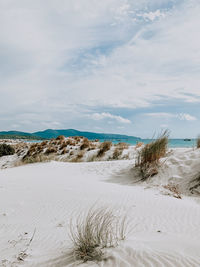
x,y
60,137
92,232
6,150
149,156
105,146
50,150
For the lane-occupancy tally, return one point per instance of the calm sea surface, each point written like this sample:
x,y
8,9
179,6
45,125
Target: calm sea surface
x,y
172,142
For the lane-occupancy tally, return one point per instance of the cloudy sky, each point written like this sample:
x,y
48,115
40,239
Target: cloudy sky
x,y
118,66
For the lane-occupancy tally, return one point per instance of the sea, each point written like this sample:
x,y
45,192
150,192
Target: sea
x,y
173,143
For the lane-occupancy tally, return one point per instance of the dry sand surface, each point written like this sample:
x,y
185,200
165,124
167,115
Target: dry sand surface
x,y
165,230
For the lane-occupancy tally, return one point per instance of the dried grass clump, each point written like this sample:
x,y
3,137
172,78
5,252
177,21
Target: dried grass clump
x,y
64,151
50,150
122,145
85,144
94,231
105,146
149,156
117,153
36,159
44,143
20,148
198,142
60,137
77,138
173,189
139,144
63,145
119,149
78,157
194,184
70,142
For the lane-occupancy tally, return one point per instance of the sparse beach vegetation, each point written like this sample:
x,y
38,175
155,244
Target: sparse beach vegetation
x,y
105,146
94,231
149,156
198,142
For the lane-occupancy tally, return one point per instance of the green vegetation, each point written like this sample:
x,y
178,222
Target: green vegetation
x,y
6,150
24,137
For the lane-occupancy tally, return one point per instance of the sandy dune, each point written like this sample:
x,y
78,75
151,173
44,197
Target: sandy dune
x,y
164,230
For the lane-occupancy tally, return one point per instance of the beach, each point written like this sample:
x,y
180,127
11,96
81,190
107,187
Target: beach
x,y
37,202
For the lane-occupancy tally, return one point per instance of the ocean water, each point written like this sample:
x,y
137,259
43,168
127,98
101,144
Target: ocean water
x,y
172,142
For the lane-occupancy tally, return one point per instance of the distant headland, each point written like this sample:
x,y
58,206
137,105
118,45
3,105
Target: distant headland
x,y
50,133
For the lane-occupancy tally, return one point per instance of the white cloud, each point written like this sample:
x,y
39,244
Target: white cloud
x,y
152,15
180,116
186,117
60,58
161,115
105,115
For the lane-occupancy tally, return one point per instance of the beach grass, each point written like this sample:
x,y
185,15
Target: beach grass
x,y
148,157
94,231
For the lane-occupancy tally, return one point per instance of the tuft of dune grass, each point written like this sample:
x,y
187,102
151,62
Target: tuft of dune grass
x,y
94,231
198,142
149,156
37,158
119,150
105,146
85,144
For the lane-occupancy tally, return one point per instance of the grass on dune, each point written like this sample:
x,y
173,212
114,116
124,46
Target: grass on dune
x,y
198,142
149,156
94,231
105,146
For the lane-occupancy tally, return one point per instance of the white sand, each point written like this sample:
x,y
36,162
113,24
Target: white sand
x,y
44,196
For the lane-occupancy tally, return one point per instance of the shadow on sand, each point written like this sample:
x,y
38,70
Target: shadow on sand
x,y
128,176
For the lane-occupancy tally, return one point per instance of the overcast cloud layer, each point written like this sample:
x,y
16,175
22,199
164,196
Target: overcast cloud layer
x,y
122,66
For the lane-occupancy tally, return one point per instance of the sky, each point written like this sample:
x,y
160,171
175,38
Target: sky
x,y
115,66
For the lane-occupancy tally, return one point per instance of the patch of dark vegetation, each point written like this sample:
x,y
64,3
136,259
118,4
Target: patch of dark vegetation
x,y
6,150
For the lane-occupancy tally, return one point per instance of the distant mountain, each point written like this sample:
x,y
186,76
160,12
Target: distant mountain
x,y
47,134
90,135
18,135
